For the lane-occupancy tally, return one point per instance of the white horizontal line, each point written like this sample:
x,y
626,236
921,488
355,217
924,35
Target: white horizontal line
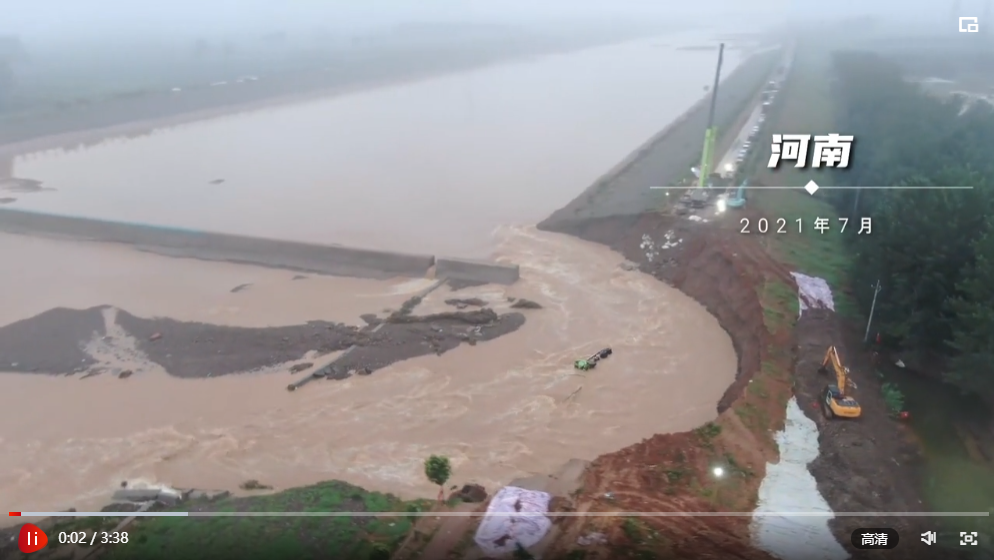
x,y
820,187
507,514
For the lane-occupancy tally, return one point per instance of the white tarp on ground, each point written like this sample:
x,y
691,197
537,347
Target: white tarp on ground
x,y
788,486
514,516
813,292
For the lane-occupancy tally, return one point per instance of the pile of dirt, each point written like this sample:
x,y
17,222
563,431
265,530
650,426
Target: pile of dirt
x,y
53,341
409,336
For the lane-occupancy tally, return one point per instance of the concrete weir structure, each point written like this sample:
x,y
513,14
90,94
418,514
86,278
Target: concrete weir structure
x,y
476,271
333,260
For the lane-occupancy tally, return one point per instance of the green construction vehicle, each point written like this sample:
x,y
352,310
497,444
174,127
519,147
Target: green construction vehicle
x,y
591,362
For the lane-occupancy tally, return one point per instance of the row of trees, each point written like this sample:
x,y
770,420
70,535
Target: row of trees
x,y
932,250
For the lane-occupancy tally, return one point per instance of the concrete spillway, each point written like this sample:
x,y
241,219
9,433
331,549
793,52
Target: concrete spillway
x,y
334,260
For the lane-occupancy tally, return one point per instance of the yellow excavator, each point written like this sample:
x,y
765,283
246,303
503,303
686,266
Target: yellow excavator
x,y
836,402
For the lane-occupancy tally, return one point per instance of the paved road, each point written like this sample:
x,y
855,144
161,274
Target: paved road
x,y
726,165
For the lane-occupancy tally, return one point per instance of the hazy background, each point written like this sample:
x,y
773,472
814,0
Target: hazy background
x,y
64,20
58,54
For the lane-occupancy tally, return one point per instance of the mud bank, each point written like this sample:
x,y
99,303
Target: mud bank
x,y
77,339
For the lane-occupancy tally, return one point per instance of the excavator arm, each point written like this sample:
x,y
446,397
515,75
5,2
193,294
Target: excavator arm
x,y
842,378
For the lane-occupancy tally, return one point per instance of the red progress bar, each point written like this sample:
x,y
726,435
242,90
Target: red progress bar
x,y
14,514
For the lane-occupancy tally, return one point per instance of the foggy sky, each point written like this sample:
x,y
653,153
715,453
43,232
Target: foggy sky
x,y
95,19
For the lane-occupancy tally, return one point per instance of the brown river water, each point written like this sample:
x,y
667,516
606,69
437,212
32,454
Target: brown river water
x,y
460,164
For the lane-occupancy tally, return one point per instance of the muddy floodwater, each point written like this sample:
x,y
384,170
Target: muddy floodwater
x,y
463,165
500,409
428,167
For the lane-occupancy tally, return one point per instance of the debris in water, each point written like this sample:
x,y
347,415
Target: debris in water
x,y
526,304
254,485
297,368
467,302
649,247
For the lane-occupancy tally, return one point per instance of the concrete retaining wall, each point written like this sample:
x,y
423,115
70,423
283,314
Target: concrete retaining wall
x,y
305,257
476,271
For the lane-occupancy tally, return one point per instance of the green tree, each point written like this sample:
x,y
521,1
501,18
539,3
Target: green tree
x,y
438,469
973,339
931,249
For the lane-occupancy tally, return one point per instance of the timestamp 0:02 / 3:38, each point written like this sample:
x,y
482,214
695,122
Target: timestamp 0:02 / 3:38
x,y
97,537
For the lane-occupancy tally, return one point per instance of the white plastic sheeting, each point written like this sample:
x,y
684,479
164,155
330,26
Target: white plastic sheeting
x,y
788,486
515,516
813,292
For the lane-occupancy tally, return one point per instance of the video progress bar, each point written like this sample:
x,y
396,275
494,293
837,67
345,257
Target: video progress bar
x,y
826,514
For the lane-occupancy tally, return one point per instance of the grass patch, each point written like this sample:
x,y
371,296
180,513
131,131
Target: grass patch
x,y
780,306
247,538
737,469
675,475
708,432
807,108
758,388
755,418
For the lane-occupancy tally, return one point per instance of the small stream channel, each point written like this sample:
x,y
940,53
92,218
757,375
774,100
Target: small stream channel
x,y
957,475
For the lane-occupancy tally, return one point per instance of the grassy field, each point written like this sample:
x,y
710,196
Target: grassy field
x,y
247,538
806,109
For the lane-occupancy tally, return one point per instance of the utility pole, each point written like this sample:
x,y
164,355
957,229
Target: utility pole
x,y
873,306
710,133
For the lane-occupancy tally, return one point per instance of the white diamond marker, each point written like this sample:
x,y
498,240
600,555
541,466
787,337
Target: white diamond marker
x,y
811,187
